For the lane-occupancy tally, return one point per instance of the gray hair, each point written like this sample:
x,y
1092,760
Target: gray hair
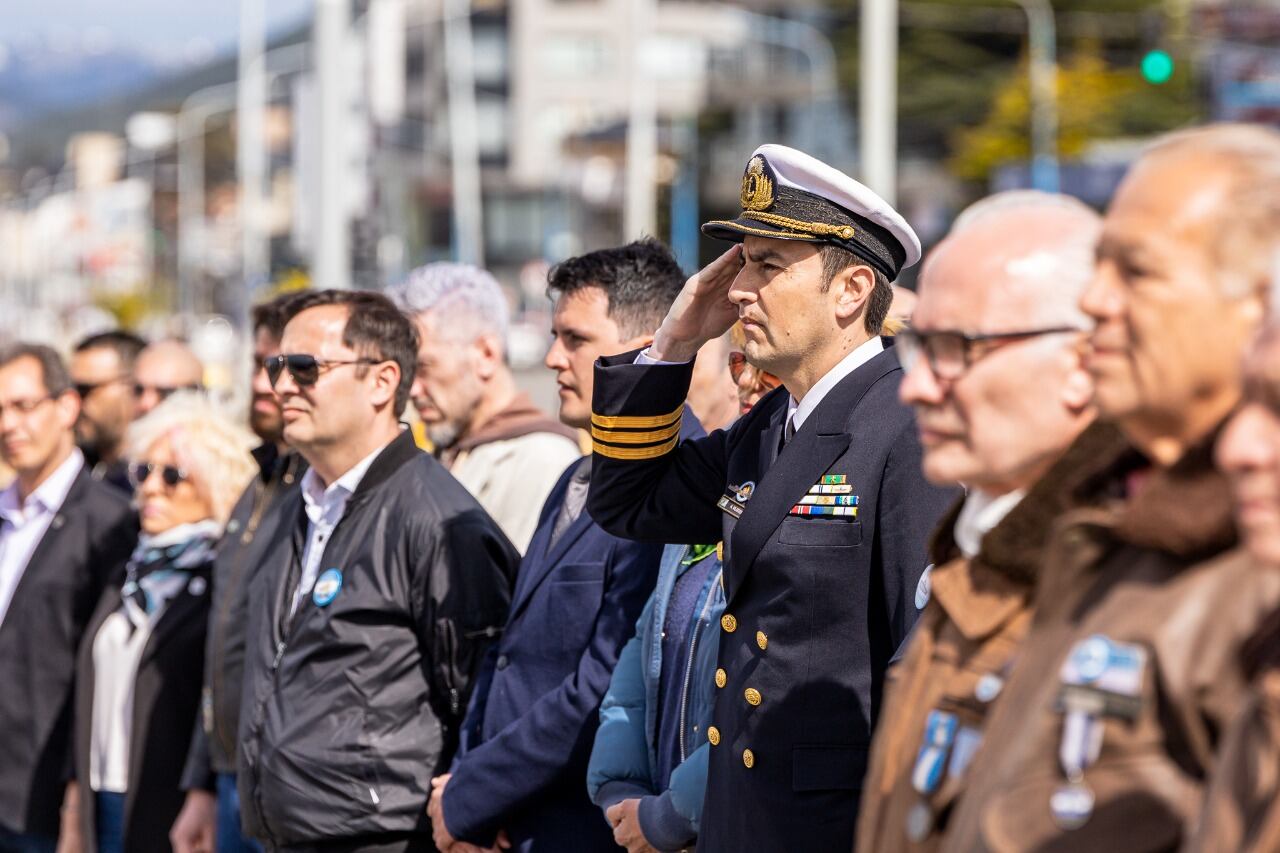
x,y
1069,261
468,298
1246,248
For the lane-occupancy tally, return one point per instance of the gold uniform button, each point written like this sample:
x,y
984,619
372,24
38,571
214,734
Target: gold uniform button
x,y
722,678
748,758
728,623
761,640
753,696
713,735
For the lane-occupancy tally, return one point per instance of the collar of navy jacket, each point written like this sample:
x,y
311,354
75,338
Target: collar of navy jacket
x,y
538,565
805,458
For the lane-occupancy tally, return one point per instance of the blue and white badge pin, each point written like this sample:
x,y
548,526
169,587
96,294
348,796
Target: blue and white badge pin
x,y
327,587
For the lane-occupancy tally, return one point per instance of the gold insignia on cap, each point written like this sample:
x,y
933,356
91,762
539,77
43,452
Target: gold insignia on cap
x,y
757,187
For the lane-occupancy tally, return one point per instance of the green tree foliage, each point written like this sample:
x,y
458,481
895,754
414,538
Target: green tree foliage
x,y
962,83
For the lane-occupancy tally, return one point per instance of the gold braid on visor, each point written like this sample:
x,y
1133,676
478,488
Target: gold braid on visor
x,y
844,232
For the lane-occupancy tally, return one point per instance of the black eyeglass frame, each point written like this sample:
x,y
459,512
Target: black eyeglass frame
x,y
306,368
914,342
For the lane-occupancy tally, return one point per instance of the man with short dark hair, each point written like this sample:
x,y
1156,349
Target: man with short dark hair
x,y
370,630
520,775
816,493
62,535
254,538
102,373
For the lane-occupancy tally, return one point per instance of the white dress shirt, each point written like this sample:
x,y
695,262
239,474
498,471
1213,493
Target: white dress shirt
x,y
979,515
798,411
24,523
324,507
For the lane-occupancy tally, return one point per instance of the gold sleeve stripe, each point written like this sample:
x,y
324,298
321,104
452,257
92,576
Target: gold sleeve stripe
x,y
618,437
635,453
636,421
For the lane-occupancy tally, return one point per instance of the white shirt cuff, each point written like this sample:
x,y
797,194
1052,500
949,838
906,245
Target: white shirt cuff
x,y
645,358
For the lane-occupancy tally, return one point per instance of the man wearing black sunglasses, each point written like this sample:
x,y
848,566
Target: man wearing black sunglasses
x,y
252,542
102,374
164,368
368,633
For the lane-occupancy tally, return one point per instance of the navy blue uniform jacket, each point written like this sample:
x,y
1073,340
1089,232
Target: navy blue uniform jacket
x,y
522,762
816,605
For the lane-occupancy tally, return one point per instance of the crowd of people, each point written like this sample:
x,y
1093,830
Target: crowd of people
x,y
993,566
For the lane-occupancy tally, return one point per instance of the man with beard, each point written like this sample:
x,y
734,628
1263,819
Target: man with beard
x,y
484,429
253,537
102,373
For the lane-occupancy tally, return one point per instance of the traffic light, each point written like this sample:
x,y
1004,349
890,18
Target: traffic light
x,y
1157,67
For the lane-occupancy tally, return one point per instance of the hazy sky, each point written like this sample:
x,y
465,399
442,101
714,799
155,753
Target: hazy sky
x,y
165,27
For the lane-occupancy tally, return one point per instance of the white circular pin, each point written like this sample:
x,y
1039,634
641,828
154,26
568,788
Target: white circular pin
x,y
988,687
1071,805
197,586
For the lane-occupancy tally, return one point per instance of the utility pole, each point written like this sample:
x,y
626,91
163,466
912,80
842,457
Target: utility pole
x,y
1042,40
642,129
251,156
878,97
464,140
331,252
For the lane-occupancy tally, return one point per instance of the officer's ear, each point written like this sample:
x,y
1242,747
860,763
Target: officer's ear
x,y
851,288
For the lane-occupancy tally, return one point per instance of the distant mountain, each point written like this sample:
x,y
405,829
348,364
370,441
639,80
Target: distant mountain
x,y
37,78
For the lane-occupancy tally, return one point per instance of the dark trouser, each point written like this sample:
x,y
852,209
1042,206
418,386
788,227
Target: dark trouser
x,y
25,842
110,821
229,838
392,842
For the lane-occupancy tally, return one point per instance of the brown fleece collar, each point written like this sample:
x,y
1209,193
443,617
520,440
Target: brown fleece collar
x,y
1014,548
518,419
1184,510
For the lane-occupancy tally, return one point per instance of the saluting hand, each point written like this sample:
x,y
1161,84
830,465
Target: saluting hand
x,y
624,817
702,312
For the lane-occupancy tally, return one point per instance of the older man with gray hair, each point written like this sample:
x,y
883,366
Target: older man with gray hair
x,y
487,432
1001,401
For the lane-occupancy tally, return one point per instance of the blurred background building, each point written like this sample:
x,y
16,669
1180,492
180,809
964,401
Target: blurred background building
x,y
343,142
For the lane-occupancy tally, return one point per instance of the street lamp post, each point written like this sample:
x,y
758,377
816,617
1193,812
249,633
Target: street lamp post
x,y
878,96
1043,70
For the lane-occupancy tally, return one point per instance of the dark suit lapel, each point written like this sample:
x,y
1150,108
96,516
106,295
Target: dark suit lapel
x,y
822,440
177,614
537,571
46,552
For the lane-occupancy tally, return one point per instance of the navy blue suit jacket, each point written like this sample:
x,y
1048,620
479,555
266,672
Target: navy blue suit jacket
x,y
526,741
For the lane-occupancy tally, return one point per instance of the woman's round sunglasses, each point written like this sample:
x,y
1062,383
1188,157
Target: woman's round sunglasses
x,y
140,472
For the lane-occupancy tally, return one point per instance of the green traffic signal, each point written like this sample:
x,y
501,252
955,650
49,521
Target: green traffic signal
x,y
1157,67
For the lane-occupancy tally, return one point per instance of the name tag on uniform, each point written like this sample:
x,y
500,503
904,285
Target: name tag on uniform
x,y
734,501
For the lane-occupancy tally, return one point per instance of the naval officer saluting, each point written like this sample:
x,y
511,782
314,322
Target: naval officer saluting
x,y
817,495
